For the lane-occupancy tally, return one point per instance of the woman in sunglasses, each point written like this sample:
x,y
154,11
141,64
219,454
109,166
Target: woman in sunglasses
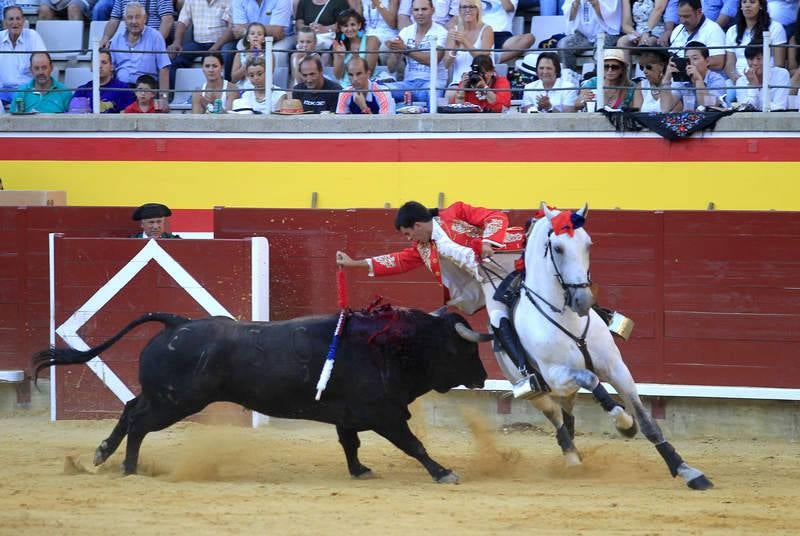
x,y
618,86
653,63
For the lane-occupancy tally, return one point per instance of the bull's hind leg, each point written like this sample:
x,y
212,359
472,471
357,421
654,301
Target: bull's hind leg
x,y
624,384
109,445
350,443
564,431
401,437
147,417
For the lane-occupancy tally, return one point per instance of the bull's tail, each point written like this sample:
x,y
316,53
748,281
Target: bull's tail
x,y
68,356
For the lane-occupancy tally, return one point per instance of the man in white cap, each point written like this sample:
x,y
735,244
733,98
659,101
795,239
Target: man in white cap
x,y
153,217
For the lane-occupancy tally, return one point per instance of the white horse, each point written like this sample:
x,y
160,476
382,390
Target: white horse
x,y
572,346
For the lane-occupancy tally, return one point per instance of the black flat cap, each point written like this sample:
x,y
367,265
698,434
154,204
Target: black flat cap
x,y
151,210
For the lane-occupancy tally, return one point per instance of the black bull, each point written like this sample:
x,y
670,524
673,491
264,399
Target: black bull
x,y
385,360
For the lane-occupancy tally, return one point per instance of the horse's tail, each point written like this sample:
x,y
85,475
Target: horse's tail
x,y
68,356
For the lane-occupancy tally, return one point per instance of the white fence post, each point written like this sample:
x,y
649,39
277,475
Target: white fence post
x,y
600,92
96,77
269,76
765,70
433,98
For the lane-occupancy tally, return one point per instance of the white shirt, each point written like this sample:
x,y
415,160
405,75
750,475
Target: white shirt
x,y
778,96
782,11
15,68
248,100
649,103
496,16
777,36
460,271
375,23
436,36
589,24
709,33
558,99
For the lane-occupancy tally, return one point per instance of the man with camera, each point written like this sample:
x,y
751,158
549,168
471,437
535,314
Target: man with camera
x,y
694,26
483,87
693,83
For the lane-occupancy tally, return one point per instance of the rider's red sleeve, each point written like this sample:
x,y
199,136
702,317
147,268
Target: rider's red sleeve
x,y
397,262
493,222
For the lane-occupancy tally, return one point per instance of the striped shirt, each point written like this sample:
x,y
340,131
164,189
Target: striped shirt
x,y
209,18
155,10
379,100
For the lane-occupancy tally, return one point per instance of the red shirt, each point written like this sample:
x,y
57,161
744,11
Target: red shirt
x,y
503,97
134,109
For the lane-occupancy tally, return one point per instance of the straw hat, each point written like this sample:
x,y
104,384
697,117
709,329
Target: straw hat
x,y
615,54
291,107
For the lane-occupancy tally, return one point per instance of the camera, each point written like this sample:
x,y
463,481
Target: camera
x,y
474,78
681,75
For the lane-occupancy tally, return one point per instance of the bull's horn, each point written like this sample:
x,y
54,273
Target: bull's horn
x,y
471,335
584,211
439,312
547,211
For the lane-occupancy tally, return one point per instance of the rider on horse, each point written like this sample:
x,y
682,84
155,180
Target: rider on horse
x,y
453,243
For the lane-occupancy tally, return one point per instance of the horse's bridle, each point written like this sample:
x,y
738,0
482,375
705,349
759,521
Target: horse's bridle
x,y
566,287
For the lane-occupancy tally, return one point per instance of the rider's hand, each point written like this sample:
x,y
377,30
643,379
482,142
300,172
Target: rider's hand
x,y
486,250
343,259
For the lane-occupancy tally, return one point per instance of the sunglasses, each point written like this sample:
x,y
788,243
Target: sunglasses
x,y
612,67
646,67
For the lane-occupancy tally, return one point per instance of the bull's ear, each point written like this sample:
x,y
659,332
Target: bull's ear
x,y
584,211
438,313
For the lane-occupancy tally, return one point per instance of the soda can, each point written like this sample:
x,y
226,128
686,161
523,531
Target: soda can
x,y
407,98
218,106
20,104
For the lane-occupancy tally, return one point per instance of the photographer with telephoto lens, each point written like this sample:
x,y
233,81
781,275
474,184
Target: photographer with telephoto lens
x,y
483,87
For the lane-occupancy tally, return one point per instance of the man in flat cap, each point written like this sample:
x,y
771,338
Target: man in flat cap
x,y
153,216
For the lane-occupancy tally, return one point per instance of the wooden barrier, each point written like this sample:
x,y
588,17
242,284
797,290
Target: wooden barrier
x,y
100,285
715,295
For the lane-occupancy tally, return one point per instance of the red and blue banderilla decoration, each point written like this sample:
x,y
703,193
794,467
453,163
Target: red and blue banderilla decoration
x,y
341,290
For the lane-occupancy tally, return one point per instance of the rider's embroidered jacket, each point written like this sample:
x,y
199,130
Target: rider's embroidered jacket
x,y
465,225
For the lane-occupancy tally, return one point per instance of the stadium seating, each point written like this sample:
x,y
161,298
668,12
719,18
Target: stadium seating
x,y
186,80
62,35
545,26
76,76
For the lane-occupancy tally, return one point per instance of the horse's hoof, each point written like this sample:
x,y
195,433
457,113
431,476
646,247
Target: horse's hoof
x,y
623,422
365,475
700,483
449,478
99,456
572,459
629,432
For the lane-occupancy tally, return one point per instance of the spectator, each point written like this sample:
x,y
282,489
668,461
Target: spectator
x,y
697,27
619,90
704,88
491,92
381,18
146,102
585,20
66,9
253,48
784,12
159,16
140,50
751,22
320,16
423,34
364,96
653,64
275,15
314,90
255,99
753,76
214,88
499,14
48,95
153,219
642,22
115,95
351,40
15,68
469,33
550,93
443,12
211,31
306,45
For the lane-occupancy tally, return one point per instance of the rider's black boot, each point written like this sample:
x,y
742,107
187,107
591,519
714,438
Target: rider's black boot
x,y
504,334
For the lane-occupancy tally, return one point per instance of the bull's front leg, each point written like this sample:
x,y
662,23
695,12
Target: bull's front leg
x,y
401,437
350,443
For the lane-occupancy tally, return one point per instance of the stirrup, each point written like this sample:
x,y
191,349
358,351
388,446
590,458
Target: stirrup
x,y
527,388
620,325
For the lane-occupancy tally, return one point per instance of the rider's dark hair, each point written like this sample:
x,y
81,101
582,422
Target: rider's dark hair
x,y
413,212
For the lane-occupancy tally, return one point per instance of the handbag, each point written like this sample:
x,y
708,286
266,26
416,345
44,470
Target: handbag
x,y
324,40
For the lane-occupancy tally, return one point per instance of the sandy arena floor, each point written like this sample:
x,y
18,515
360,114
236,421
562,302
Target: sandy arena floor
x,y
290,478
